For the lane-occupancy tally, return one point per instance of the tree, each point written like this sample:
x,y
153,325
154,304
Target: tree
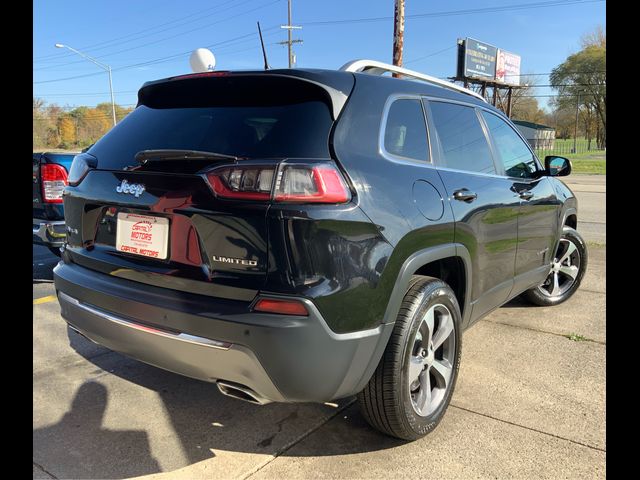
x,y
67,129
596,38
562,119
582,79
527,109
77,128
524,105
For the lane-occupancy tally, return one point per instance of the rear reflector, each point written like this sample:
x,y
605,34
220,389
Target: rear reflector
x,y
54,179
285,307
295,183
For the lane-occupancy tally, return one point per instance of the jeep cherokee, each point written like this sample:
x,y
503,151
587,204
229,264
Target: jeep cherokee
x,y
303,235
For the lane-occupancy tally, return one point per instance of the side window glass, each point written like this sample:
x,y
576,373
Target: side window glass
x,y
517,159
463,142
405,133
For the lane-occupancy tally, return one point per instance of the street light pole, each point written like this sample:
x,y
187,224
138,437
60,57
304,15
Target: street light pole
x,y
113,102
105,67
575,130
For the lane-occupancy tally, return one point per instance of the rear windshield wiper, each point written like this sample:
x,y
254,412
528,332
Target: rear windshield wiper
x,y
146,156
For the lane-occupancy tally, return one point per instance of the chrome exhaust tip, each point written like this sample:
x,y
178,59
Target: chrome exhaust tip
x,y
241,392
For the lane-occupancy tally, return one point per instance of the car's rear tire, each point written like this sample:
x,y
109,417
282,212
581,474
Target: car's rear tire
x,y
567,270
411,388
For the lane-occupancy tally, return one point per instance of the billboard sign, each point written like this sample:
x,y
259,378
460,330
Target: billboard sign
x,y
507,68
479,60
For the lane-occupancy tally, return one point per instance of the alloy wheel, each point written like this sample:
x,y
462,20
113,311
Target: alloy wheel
x,y
431,362
564,270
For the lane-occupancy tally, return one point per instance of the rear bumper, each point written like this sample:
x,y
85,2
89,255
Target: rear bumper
x,y
49,232
282,358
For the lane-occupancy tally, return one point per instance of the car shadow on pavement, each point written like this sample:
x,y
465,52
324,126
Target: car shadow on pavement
x,y
518,302
204,421
81,440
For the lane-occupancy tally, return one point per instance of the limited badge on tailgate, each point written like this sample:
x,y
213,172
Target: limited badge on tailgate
x,y
142,235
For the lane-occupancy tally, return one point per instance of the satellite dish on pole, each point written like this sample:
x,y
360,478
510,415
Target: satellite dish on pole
x,y
202,60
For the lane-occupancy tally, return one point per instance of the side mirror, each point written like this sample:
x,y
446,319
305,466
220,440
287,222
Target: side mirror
x,y
557,166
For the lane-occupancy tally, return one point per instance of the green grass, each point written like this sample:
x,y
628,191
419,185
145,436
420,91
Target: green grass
x,y
596,244
562,146
577,338
594,163
585,161
593,167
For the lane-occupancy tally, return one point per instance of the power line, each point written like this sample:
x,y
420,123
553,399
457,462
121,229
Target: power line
x,y
83,94
92,46
431,54
154,61
470,11
73,107
208,25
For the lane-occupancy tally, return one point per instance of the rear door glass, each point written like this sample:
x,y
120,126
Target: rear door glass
x,y
463,144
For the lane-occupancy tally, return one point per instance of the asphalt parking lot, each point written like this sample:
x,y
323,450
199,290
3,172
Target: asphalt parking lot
x,y
530,402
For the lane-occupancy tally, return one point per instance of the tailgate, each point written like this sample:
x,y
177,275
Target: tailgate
x,y
174,234
158,220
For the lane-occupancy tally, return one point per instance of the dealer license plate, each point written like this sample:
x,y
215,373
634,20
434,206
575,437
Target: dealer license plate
x,y
144,235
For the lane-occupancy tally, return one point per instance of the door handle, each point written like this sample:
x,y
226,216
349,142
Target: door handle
x,y
464,195
525,195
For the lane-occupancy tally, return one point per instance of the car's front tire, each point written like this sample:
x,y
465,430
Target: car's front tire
x,y
567,270
412,386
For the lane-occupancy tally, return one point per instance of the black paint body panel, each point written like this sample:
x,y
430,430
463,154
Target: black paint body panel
x,y
352,262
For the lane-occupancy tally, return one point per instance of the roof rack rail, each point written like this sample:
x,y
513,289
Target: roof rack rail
x,y
374,67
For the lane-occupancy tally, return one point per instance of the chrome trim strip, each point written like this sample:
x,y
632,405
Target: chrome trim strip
x,y
183,337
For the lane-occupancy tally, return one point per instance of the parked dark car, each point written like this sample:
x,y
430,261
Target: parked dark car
x,y
307,235
50,172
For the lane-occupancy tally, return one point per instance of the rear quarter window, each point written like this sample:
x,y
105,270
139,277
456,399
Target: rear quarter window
x,y
405,131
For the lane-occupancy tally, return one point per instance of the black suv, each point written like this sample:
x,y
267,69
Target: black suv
x,y
307,235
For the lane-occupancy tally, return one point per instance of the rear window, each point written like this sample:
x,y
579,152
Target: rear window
x,y
254,117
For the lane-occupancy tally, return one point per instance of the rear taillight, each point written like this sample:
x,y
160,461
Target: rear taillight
x,y
244,183
54,179
283,307
316,184
294,183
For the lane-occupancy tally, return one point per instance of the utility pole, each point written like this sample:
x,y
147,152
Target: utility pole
x,y
575,130
290,41
289,33
398,33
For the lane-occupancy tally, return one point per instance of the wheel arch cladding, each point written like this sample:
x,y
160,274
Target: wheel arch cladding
x,y
421,261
